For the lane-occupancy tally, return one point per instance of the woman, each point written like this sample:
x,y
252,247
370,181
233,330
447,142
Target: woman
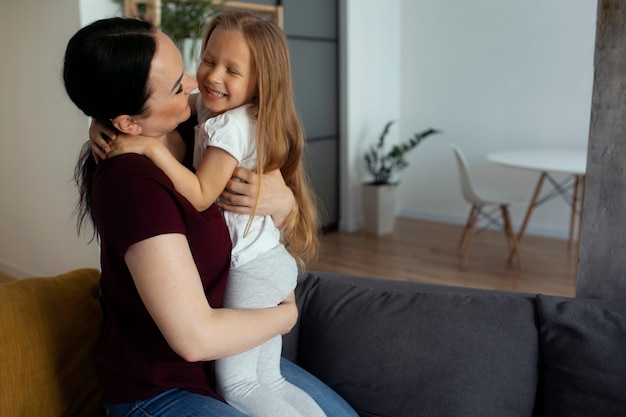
x,y
246,113
164,264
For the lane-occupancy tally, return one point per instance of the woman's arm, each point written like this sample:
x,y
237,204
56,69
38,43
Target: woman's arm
x,y
169,285
201,188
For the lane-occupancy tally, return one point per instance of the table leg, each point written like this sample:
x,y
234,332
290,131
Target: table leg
x,y
531,207
511,240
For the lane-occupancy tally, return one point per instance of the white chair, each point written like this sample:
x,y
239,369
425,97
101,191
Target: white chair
x,y
479,201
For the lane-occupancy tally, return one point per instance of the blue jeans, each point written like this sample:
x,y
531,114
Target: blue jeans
x,y
179,403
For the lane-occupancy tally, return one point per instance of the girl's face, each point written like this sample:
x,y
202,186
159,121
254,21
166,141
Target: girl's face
x,y
168,104
226,74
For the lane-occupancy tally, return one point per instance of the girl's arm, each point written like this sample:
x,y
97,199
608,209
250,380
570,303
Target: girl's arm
x,y
276,198
101,136
201,188
169,285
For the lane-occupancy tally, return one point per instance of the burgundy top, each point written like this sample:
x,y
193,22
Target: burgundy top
x,y
133,200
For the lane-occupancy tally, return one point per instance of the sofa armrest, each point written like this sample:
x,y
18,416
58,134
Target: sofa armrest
x,y
50,335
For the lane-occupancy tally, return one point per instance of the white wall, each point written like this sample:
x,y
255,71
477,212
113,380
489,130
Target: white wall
x,y
41,134
493,75
91,10
371,71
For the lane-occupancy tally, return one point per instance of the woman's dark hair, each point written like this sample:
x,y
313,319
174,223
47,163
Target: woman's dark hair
x,y
106,69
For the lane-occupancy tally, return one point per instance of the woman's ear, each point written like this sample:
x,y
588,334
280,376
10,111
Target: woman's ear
x,y
127,124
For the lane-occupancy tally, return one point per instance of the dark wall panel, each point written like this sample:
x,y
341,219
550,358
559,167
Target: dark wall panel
x,y
311,18
314,68
322,165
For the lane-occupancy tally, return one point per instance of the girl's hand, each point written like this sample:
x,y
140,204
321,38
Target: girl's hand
x,y
100,135
132,144
276,198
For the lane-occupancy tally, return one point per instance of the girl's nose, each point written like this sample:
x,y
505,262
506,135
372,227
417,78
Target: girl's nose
x,y
214,77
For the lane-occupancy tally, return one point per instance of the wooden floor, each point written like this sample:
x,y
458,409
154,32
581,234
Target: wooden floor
x,y
425,251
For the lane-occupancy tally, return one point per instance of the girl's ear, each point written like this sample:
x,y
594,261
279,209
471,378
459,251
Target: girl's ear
x,y
127,124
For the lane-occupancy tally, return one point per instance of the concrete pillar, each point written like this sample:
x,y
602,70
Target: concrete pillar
x,y
602,267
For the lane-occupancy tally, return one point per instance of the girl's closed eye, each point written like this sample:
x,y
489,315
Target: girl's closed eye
x,y
180,89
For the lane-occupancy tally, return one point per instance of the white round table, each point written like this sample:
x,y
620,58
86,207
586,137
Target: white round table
x,y
565,161
571,161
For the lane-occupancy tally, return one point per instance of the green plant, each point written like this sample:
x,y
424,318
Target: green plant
x,y
182,20
383,164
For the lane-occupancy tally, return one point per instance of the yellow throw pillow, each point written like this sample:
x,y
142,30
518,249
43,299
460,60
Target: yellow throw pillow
x,y
49,336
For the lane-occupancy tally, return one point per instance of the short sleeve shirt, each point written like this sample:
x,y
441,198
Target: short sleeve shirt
x,y
134,200
234,132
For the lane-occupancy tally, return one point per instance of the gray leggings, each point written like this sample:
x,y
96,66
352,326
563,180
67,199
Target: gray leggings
x,y
251,381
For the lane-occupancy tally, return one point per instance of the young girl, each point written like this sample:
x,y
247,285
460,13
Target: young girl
x,y
247,118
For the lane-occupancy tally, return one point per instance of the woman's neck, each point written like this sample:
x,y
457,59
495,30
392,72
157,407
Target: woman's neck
x,y
162,139
175,144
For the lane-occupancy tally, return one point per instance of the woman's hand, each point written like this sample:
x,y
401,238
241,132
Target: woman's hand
x,y
100,136
276,198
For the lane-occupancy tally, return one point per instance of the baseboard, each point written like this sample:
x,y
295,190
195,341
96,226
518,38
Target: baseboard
x,y
543,231
350,226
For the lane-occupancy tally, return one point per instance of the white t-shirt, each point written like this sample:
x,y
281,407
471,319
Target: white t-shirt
x,y
234,131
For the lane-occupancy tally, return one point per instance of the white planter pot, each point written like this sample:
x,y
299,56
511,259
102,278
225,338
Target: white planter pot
x,y
379,208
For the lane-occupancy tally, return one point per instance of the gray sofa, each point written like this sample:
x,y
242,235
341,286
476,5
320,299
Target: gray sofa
x,y
394,348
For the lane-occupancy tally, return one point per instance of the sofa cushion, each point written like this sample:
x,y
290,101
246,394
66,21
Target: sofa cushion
x,y
584,346
402,350
48,339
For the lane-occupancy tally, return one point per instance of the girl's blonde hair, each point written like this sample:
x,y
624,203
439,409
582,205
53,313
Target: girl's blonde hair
x,y
280,137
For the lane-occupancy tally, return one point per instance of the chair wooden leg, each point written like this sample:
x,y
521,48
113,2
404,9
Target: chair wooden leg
x,y
468,224
511,239
472,232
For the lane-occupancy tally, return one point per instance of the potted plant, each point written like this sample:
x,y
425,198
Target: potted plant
x,y
183,21
383,164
